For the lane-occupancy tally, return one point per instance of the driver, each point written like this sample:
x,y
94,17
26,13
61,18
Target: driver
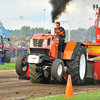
x,y
61,33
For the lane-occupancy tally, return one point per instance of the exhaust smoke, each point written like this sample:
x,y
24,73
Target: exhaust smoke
x,y
59,6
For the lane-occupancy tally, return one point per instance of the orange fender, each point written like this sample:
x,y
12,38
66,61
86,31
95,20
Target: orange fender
x,y
71,50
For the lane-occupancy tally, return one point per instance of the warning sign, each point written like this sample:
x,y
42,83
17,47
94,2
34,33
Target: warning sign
x,y
93,49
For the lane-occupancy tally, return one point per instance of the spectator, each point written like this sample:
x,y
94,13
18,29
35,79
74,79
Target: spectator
x,y
28,51
25,50
20,51
14,49
11,51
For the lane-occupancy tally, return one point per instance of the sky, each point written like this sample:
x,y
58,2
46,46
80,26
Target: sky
x,y
77,13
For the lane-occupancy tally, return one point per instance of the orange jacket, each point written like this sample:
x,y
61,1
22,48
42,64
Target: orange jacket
x,y
60,31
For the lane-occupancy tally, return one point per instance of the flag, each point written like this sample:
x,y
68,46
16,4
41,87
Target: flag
x,y
4,31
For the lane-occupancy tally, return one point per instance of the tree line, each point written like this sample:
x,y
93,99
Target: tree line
x,y
27,32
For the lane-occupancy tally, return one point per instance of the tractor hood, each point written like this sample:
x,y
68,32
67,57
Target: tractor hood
x,y
41,41
42,36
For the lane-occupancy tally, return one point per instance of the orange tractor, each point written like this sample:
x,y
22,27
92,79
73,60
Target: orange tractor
x,y
45,62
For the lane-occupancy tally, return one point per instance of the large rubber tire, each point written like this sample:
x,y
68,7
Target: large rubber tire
x,y
74,67
57,69
21,66
37,77
7,56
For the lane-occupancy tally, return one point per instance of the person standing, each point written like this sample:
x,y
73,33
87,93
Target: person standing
x,y
14,51
11,51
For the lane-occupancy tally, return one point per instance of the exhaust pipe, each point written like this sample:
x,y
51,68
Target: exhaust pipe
x,y
52,30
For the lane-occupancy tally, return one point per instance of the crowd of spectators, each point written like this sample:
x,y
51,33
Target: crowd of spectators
x,y
20,50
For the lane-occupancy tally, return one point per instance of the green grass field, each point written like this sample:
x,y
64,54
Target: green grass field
x,y
87,96
7,66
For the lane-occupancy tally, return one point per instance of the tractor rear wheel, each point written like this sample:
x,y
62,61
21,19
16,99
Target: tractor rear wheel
x,y
37,77
8,56
21,66
57,69
77,68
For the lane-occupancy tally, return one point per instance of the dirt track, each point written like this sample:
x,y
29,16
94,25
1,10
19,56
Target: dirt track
x,y
13,60
12,88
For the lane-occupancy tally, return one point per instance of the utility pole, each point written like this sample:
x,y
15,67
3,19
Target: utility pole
x,y
21,24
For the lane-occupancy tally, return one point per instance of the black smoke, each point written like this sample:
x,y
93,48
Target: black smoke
x,y
59,6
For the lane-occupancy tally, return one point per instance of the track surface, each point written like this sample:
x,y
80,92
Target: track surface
x,y
13,60
12,88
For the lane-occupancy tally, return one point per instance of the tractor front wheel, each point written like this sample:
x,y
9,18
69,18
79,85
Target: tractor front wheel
x,y
57,69
21,66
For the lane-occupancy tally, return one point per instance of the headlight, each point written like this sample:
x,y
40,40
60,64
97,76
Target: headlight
x,y
31,43
45,43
